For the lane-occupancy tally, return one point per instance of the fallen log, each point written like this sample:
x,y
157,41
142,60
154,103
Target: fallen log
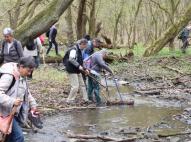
x,y
110,103
173,134
149,92
103,138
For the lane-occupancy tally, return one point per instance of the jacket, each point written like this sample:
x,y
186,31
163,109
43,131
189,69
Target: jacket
x,y
14,53
75,60
97,63
20,90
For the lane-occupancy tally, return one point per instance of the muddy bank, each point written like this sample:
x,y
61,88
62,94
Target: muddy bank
x,y
166,78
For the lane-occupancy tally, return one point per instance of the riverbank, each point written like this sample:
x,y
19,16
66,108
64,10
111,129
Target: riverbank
x,y
160,82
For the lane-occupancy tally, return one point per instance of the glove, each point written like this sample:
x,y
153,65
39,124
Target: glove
x,y
34,117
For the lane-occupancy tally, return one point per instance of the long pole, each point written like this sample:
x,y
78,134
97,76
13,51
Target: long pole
x,y
117,87
107,90
95,80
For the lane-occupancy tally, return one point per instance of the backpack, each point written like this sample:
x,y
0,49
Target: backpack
x,y
180,36
66,55
47,33
31,45
13,82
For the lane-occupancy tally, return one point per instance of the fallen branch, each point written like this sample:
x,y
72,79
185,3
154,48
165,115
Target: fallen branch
x,y
103,138
110,103
173,134
150,92
173,69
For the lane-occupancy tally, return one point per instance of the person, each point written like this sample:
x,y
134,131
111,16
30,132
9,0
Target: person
x,y
52,39
95,43
184,35
74,67
11,49
97,64
14,91
33,48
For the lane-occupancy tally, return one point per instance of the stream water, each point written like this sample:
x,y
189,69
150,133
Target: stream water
x,y
146,113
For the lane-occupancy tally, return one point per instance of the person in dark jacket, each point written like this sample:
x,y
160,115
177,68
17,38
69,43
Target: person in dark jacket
x,y
74,67
52,39
11,49
184,35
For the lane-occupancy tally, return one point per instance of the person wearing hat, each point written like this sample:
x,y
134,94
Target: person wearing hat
x,y
11,49
74,67
97,64
14,92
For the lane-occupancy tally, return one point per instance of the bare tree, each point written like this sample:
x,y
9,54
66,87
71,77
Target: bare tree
x,y
82,19
169,34
92,18
69,30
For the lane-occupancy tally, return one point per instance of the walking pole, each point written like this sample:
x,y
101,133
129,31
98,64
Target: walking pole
x,y
117,87
107,90
95,80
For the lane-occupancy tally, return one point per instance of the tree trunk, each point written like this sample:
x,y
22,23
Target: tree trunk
x,y
169,34
82,19
69,30
116,27
14,14
42,21
92,22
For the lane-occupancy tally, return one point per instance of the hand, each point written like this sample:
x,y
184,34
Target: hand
x,y
49,40
81,68
17,102
87,72
34,112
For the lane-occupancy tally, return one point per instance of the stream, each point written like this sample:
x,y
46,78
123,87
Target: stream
x,y
149,114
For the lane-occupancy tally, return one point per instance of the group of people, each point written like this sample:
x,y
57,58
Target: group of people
x,y
18,64
14,91
81,61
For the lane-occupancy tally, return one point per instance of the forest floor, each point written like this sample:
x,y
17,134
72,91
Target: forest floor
x,y
162,78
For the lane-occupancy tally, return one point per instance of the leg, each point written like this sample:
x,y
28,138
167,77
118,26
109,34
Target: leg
x,y
16,134
90,89
74,87
36,58
82,87
97,91
185,45
56,46
50,46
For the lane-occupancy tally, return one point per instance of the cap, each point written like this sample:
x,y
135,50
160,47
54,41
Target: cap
x,y
7,31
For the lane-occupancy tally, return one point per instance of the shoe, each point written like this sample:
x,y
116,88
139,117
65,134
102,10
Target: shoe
x,y
35,120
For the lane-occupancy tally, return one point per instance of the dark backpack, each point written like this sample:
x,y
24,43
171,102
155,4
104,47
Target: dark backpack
x,y
47,33
181,34
31,45
66,56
